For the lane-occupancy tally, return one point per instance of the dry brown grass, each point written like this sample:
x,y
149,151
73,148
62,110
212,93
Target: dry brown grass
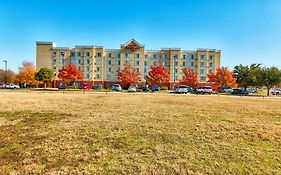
x,y
55,133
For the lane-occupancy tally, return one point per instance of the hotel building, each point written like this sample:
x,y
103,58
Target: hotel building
x,y
100,65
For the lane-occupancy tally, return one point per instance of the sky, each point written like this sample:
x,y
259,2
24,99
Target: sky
x,y
246,31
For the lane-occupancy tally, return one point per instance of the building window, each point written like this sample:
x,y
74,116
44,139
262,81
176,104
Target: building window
x,y
108,76
203,71
155,63
210,71
191,57
88,61
98,69
127,62
175,56
155,56
184,63
77,54
61,61
54,61
203,56
211,57
54,67
202,78
138,69
127,55
175,63
191,64
87,54
99,62
176,71
98,76
137,55
118,62
108,62
184,56
87,76
87,68
75,61
62,54
108,69
137,63
109,55
211,65
165,56
117,55
72,54
175,77
54,54
146,63
145,70
99,54
202,64
146,56
164,63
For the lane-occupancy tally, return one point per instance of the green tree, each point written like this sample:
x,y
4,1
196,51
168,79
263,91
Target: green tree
x,y
45,75
247,75
269,77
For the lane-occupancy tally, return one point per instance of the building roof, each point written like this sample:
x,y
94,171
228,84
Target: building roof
x,y
44,42
130,42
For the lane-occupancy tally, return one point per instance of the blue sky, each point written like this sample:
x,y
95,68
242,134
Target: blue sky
x,y
246,31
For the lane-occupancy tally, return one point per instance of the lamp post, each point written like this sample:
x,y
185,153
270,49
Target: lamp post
x,y
62,54
174,61
6,63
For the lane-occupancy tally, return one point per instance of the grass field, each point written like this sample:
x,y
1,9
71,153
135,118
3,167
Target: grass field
x,y
72,133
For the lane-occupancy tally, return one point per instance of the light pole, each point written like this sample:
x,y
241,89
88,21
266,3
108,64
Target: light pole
x,y
62,54
174,60
6,63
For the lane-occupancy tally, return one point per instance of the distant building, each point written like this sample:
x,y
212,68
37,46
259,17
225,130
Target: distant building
x,y
100,65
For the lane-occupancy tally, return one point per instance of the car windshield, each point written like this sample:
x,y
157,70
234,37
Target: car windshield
x,y
206,88
182,86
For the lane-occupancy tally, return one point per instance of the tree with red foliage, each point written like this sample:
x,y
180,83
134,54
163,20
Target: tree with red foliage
x,y
157,75
128,75
223,77
189,78
70,73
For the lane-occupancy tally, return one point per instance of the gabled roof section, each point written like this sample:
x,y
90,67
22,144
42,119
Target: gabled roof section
x,y
132,44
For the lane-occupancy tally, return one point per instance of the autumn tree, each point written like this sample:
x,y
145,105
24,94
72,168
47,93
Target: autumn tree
x,y
223,77
70,73
189,78
128,75
26,74
7,76
158,75
45,75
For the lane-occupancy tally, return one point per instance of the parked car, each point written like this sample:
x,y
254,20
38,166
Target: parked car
x,y
97,87
155,88
240,92
225,89
182,89
204,90
132,89
11,86
116,87
252,90
276,91
146,88
85,86
61,87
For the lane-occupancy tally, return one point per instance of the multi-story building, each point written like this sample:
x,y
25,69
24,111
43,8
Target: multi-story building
x,y
100,65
